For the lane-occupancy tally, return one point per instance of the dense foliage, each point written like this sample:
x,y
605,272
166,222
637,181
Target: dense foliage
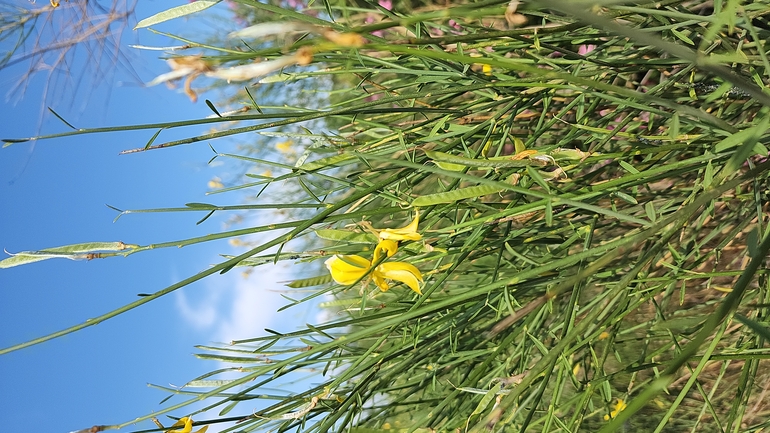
x,y
591,186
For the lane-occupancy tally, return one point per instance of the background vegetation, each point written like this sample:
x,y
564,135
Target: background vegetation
x,y
592,187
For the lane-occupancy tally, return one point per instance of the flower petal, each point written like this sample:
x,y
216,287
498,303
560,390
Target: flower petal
x,y
388,246
349,263
403,272
185,421
404,233
380,282
347,270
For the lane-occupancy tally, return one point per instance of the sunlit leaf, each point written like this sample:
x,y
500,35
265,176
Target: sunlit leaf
x,y
176,12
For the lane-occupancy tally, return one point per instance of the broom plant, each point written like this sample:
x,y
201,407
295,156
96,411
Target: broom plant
x,y
547,216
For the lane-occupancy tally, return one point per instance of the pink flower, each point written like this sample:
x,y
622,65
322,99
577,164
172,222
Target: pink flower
x,y
585,49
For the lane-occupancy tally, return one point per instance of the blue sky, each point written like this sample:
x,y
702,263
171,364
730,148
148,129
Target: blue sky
x,y
53,193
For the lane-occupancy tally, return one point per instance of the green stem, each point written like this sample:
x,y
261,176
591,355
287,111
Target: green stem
x,y
221,267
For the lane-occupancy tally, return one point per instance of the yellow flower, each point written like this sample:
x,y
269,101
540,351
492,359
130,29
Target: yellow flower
x,y
284,146
216,183
388,246
615,411
347,269
186,424
344,39
408,233
399,271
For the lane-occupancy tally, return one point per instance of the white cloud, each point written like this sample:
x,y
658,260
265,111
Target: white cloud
x,y
201,316
233,307
253,305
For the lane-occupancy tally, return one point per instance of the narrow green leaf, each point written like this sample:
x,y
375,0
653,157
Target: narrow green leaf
x,y
153,138
455,195
538,178
230,406
213,108
498,162
682,36
673,130
208,215
736,139
628,167
708,175
625,197
72,252
757,327
752,241
331,161
201,206
60,118
310,282
207,383
175,12
649,209
233,359
253,101
488,397
346,236
518,145
449,166
439,126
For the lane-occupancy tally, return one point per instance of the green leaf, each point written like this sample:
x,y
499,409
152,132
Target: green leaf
x,y
72,252
738,138
708,175
649,209
535,175
213,383
213,108
448,166
485,401
498,162
455,195
202,206
331,161
345,236
310,282
625,197
752,242
685,324
681,36
230,406
628,167
757,327
175,12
